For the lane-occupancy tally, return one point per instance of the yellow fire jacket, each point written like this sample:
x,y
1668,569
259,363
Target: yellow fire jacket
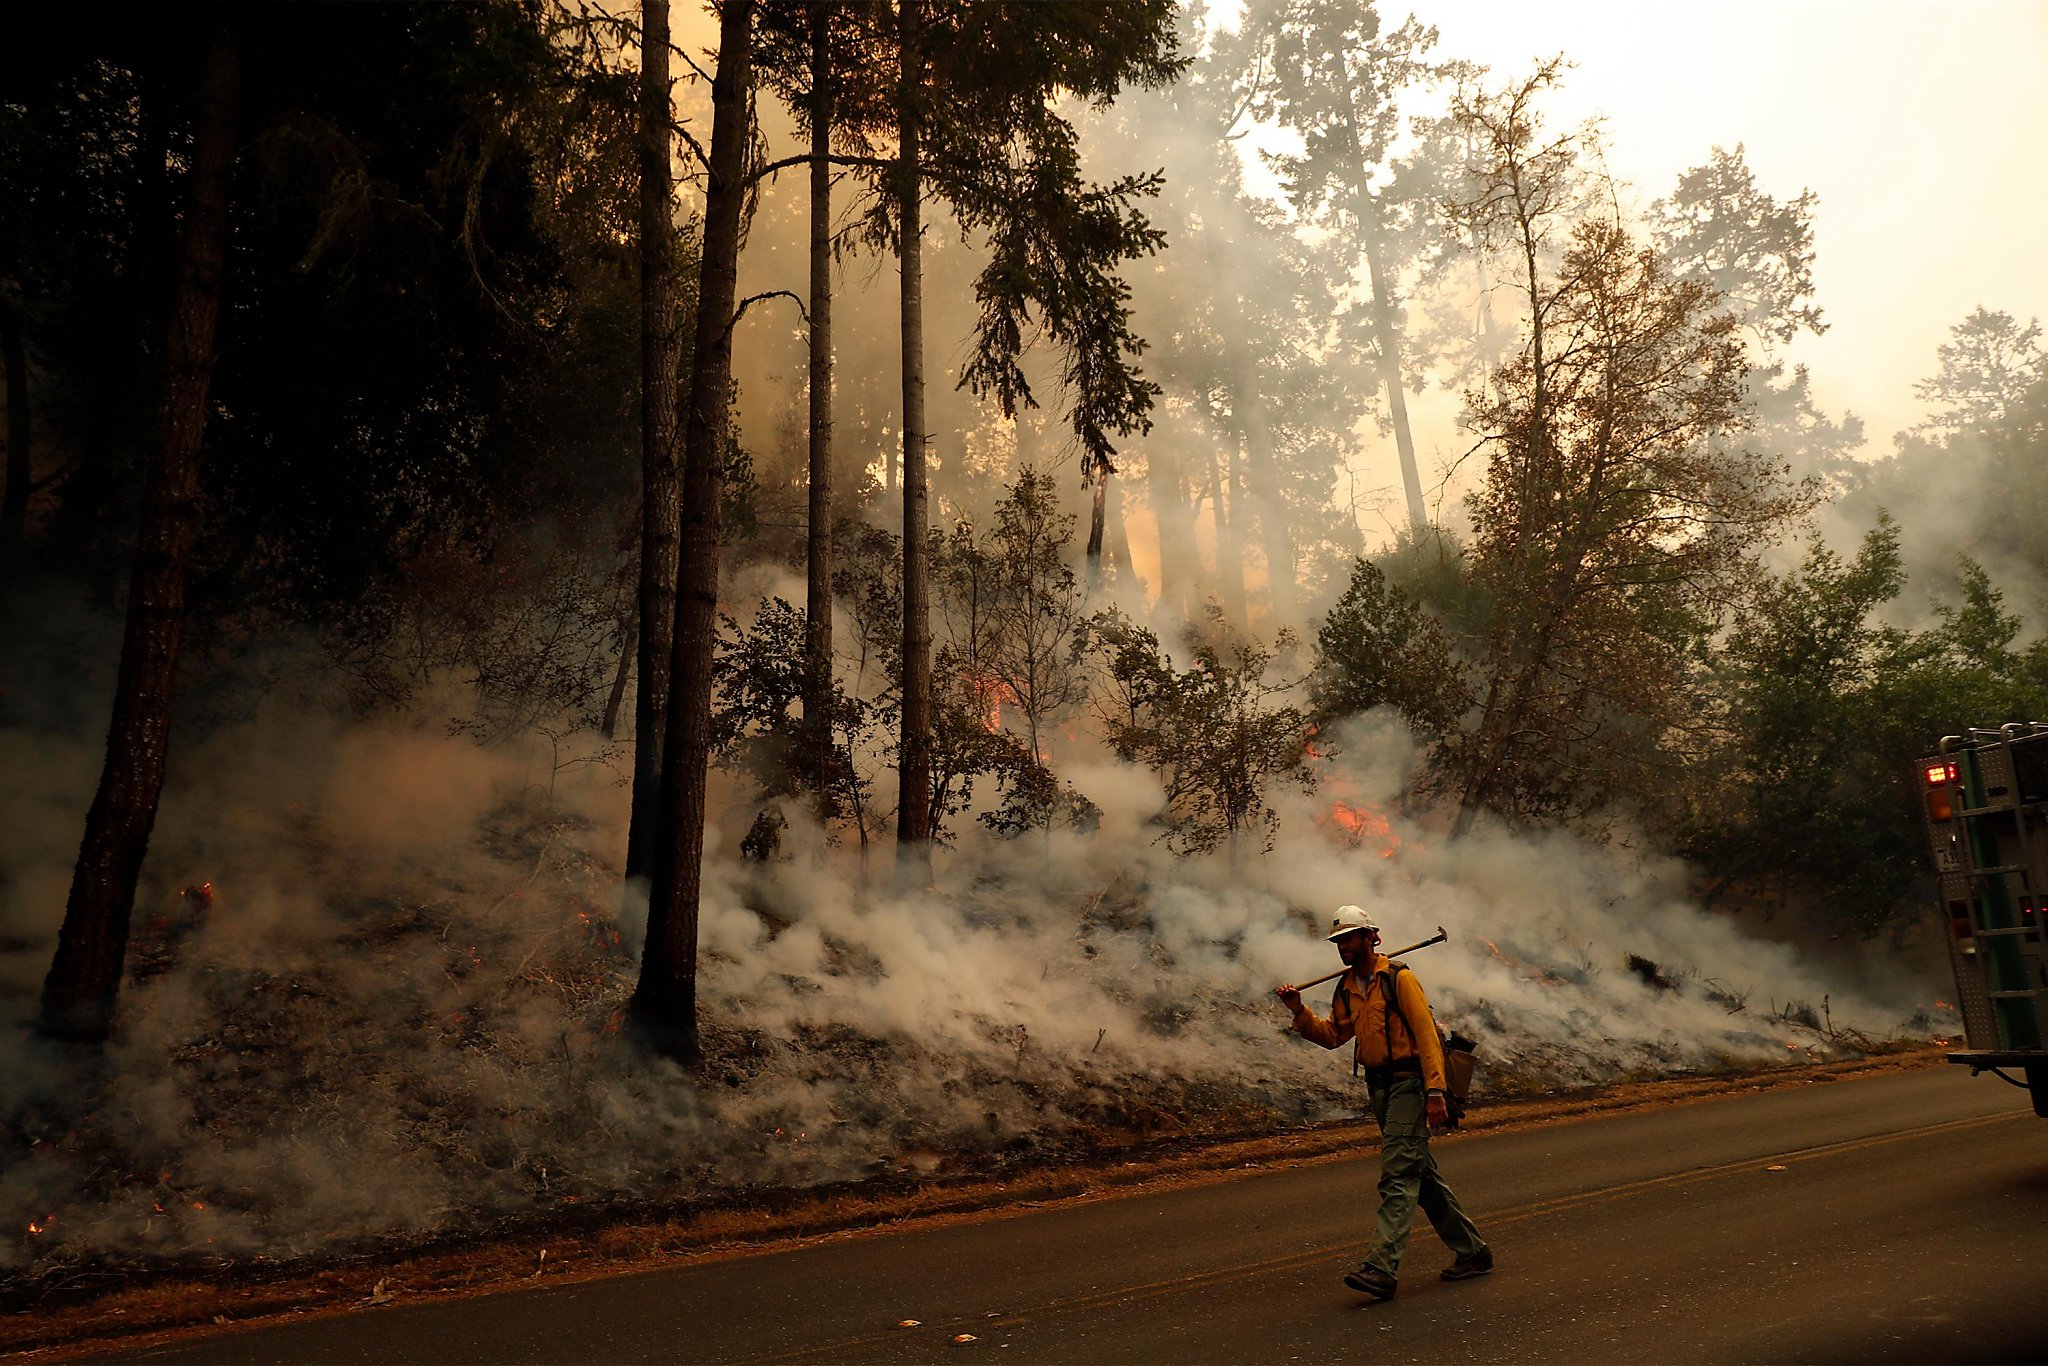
x,y
1358,1012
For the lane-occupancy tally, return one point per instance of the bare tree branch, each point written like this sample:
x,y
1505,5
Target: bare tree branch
x,y
753,299
762,172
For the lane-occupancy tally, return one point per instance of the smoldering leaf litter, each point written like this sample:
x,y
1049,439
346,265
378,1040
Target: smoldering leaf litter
x,y
399,1017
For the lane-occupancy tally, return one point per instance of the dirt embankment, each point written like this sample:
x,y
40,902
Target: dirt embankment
x,y
57,1322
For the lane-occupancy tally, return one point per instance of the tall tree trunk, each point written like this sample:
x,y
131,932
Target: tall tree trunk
x,y
1254,442
85,976
1117,549
914,781
14,504
660,489
818,551
1373,240
665,1001
629,633
1389,336
1230,530
1166,494
1098,486
1261,469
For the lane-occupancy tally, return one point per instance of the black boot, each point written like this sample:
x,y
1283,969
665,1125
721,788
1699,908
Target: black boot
x,y
1370,1280
1465,1268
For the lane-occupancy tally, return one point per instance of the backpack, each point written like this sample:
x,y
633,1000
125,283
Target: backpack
x,y
1460,1053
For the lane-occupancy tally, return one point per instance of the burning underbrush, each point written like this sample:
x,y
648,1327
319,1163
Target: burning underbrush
x,y
337,1047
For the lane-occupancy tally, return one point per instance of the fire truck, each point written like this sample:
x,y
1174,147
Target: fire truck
x,y
1987,821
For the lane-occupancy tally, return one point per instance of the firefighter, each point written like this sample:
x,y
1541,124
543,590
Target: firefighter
x,y
1404,1071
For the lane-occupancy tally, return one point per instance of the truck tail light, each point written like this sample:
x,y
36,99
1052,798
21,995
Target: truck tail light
x,y
1959,918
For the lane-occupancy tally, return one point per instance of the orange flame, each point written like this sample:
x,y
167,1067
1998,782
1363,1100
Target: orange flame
x,y
1365,825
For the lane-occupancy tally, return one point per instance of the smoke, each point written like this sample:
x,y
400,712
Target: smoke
x,y
400,1012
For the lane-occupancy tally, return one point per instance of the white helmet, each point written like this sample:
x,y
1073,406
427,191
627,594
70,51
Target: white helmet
x,y
1349,920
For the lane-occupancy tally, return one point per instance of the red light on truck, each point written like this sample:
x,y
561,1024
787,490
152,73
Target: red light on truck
x,y
1937,774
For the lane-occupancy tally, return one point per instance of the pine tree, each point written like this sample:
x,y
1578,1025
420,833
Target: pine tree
x,y
665,1000
660,488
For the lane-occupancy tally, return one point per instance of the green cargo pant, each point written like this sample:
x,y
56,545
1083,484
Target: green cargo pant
x,y
1407,1175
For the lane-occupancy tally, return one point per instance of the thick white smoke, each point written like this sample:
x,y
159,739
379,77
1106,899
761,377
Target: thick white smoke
x,y
400,1012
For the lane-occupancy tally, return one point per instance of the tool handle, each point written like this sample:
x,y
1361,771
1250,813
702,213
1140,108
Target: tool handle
x,y
1439,937
1324,978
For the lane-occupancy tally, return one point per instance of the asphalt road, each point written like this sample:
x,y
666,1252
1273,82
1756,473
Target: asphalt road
x,y
1901,1217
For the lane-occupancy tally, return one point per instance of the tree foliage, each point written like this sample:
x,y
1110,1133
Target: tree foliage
x,y
1219,733
1988,363
1338,76
1617,518
1616,521
757,724
1827,706
1379,647
1755,252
